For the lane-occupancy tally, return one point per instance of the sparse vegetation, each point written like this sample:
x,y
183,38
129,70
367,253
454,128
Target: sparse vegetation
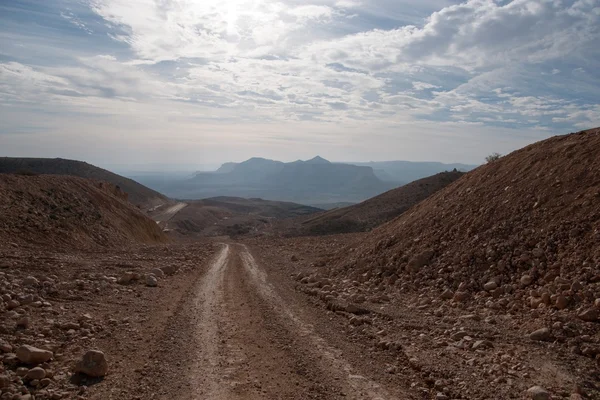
x,y
493,157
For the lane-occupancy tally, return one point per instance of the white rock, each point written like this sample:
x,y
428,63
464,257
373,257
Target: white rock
x,y
538,393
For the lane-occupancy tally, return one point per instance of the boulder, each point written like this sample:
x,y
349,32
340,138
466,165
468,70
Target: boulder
x,y
32,355
93,364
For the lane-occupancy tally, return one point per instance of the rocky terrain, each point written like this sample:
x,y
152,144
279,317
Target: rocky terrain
x,y
137,194
495,277
370,213
487,289
68,211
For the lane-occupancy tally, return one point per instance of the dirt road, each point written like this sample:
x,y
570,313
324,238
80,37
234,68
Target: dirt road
x,y
251,344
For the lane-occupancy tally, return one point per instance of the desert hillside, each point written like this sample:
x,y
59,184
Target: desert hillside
x,y
532,216
69,211
137,194
370,213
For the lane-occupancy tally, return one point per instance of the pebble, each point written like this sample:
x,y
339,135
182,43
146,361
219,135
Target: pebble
x,y
538,393
36,373
151,281
589,315
543,334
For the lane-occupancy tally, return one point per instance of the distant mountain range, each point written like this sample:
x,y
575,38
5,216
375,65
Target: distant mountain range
x,y
311,182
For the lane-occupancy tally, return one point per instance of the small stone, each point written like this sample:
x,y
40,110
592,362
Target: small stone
x,y
561,302
32,355
446,294
538,393
23,322
491,285
125,278
482,344
597,303
151,281
526,280
93,364
12,304
456,336
441,396
157,272
543,334
36,373
4,381
30,281
589,315
461,296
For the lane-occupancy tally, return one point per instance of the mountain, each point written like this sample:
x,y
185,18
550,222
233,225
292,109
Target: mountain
x,y
370,213
138,194
515,233
307,182
408,171
69,212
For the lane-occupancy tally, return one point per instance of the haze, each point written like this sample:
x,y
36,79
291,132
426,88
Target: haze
x,y
118,82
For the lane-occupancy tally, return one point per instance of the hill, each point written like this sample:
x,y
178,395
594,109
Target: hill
x,y
370,213
69,211
138,194
232,216
408,171
307,182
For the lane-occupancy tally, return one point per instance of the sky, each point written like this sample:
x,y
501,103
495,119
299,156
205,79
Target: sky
x,y
197,82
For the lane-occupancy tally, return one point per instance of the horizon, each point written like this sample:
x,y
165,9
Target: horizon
x,y
184,82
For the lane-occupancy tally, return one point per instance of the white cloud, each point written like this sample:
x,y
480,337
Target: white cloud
x,y
481,64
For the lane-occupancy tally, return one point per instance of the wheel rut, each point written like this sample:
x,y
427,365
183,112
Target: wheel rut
x,y
252,345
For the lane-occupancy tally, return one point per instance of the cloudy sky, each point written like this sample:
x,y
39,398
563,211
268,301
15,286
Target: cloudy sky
x,y
185,82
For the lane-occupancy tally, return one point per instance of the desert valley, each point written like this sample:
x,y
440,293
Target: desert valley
x,y
479,284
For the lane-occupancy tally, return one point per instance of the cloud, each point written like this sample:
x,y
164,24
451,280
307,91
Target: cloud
x,y
526,65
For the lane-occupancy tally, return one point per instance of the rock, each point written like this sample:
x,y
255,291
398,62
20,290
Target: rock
x,y
543,334
589,315
482,344
36,373
4,381
12,304
93,364
456,336
526,280
597,303
170,269
32,355
125,278
538,393
461,296
441,396
561,302
5,347
419,261
576,286
576,396
490,286
157,272
151,281
23,322
30,281
446,294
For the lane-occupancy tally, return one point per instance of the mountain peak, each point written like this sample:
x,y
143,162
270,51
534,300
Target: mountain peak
x,y
318,160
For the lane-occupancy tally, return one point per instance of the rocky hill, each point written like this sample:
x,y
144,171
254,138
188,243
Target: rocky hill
x,y
233,216
137,194
370,213
530,219
70,212
496,277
